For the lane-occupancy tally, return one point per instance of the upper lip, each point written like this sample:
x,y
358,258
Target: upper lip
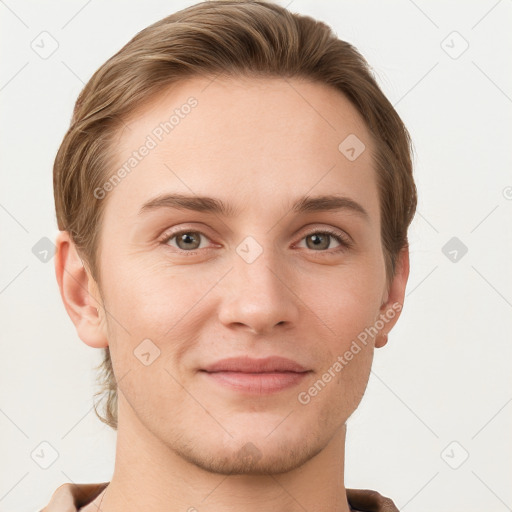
x,y
250,365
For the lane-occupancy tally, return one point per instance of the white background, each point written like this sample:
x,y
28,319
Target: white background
x,y
444,375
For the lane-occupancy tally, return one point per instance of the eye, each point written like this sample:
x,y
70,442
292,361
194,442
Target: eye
x,y
321,239
187,241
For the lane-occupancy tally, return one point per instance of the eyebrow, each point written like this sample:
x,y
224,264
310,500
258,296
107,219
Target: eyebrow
x,y
306,204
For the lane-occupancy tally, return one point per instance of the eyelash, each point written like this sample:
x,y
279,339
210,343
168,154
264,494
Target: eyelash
x,y
344,241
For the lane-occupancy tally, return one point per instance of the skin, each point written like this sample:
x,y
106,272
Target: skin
x,y
257,144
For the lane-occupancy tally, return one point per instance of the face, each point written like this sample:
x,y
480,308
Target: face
x,y
262,278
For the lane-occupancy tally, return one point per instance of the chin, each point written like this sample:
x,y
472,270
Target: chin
x,y
252,458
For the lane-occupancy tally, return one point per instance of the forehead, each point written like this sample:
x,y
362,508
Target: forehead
x,y
247,141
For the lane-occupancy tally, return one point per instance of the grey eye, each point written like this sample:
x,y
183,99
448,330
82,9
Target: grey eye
x,y
320,240
187,240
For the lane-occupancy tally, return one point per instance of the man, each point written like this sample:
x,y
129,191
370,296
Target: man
x,y
260,139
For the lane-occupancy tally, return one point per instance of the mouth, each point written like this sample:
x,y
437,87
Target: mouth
x,y
256,376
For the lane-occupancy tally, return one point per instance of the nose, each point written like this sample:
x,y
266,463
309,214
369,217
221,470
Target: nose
x,y
259,296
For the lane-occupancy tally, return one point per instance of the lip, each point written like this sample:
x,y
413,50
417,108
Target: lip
x,y
251,365
256,383
256,376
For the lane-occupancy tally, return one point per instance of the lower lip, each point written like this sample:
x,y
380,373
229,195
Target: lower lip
x,y
257,383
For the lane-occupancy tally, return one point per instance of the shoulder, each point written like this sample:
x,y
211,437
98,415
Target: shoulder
x,y
366,500
70,497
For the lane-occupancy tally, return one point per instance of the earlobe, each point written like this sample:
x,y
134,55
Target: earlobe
x,y
392,306
79,292
381,340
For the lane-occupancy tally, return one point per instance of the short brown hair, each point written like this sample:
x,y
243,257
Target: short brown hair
x,y
233,38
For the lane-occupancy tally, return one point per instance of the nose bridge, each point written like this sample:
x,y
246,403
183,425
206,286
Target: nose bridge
x,y
256,267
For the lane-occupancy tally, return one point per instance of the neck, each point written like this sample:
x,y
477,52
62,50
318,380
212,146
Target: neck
x,y
149,475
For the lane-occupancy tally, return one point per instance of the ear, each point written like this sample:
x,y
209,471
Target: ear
x,y
392,304
79,292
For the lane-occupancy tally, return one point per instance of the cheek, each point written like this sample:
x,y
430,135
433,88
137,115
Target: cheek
x,y
157,310
349,306
153,321
154,297
348,302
